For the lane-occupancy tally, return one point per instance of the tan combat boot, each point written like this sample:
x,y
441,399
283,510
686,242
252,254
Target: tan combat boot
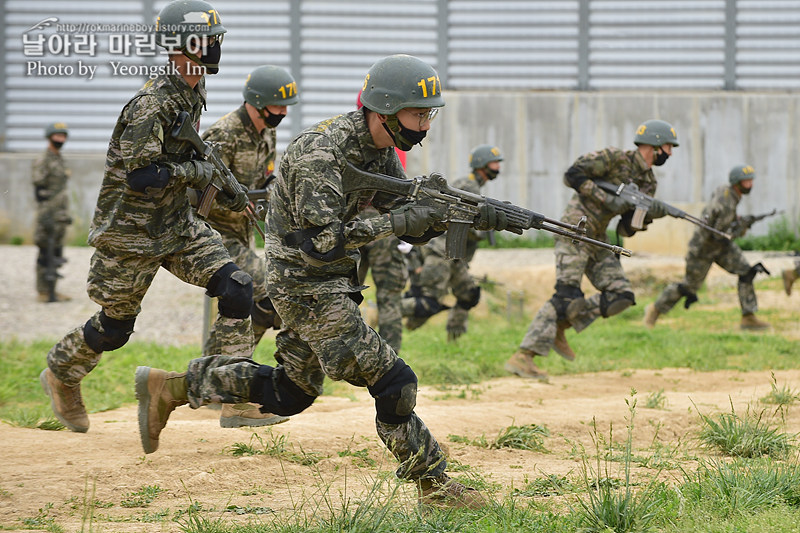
x,y
66,402
521,364
60,297
749,321
159,393
444,492
561,346
651,314
247,414
789,277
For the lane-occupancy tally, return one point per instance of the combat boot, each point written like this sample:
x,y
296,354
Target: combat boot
x,y
444,492
521,364
247,414
749,321
60,297
65,401
159,393
651,314
789,277
561,346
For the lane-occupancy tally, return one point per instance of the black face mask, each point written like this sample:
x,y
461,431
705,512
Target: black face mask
x,y
661,158
57,144
271,120
405,138
210,59
491,173
745,190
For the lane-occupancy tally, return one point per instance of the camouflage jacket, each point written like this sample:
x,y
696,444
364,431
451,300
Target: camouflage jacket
x,y
158,222
50,177
614,166
438,244
250,156
308,196
720,213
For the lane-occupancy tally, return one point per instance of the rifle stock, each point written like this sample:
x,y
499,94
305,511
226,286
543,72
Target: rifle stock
x,y
463,207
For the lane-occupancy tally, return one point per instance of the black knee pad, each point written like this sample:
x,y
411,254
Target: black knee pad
x,y
263,314
755,269
234,288
395,394
686,292
613,303
425,307
278,394
472,299
563,296
115,333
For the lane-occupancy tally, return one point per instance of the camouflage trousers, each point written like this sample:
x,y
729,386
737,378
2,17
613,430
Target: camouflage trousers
x,y
50,230
248,259
323,335
573,260
698,262
389,273
118,284
436,277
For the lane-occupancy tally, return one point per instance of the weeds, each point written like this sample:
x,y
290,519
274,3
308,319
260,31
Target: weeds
x,y
656,400
783,396
528,437
747,436
277,446
143,497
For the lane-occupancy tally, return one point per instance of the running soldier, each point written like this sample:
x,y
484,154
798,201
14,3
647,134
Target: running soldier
x,y
705,249
143,220
655,140
790,275
437,274
50,176
313,236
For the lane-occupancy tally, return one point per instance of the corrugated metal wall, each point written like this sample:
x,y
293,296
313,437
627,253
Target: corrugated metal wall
x,y
329,45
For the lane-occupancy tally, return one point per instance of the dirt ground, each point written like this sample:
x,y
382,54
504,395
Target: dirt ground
x,y
194,464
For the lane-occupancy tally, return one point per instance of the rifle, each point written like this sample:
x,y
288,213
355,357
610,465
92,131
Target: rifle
x,y
259,197
463,207
742,224
642,203
183,130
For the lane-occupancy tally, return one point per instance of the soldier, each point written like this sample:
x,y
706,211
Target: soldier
x,y
143,220
705,249
437,274
654,140
50,176
790,275
246,139
313,234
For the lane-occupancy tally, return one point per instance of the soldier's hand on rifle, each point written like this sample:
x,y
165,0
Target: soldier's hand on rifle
x,y
150,177
490,218
413,219
657,209
617,204
199,173
238,202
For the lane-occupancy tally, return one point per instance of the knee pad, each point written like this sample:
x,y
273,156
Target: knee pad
x,y
115,333
263,314
234,288
613,303
691,297
472,299
395,394
426,307
563,296
277,394
755,269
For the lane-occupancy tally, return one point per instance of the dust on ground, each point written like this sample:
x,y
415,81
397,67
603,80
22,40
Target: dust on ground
x,y
98,471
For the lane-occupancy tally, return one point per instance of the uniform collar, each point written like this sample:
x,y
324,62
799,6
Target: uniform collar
x,y
248,125
639,160
365,141
192,96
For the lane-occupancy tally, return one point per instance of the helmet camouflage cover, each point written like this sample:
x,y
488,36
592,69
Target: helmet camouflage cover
x,y
741,173
399,81
483,154
56,127
655,133
270,85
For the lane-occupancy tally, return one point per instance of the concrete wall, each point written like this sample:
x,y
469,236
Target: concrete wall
x,y
540,134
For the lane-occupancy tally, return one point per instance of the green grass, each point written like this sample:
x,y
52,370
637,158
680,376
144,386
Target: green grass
x,y
783,235
749,435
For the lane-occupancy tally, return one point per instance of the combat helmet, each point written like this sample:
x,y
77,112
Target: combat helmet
x,y
483,154
655,132
182,22
56,127
399,81
270,85
740,173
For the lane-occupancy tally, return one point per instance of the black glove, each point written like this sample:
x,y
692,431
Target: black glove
x,y
150,177
490,219
616,204
657,209
413,220
237,202
199,173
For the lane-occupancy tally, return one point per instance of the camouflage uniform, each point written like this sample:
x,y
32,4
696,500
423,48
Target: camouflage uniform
x,y
390,274
705,249
250,156
323,332
50,177
438,275
136,233
573,260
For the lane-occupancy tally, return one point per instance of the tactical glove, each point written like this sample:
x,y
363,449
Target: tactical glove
x,y
199,173
657,209
237,202
490,218
413,220
150,177
616,204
